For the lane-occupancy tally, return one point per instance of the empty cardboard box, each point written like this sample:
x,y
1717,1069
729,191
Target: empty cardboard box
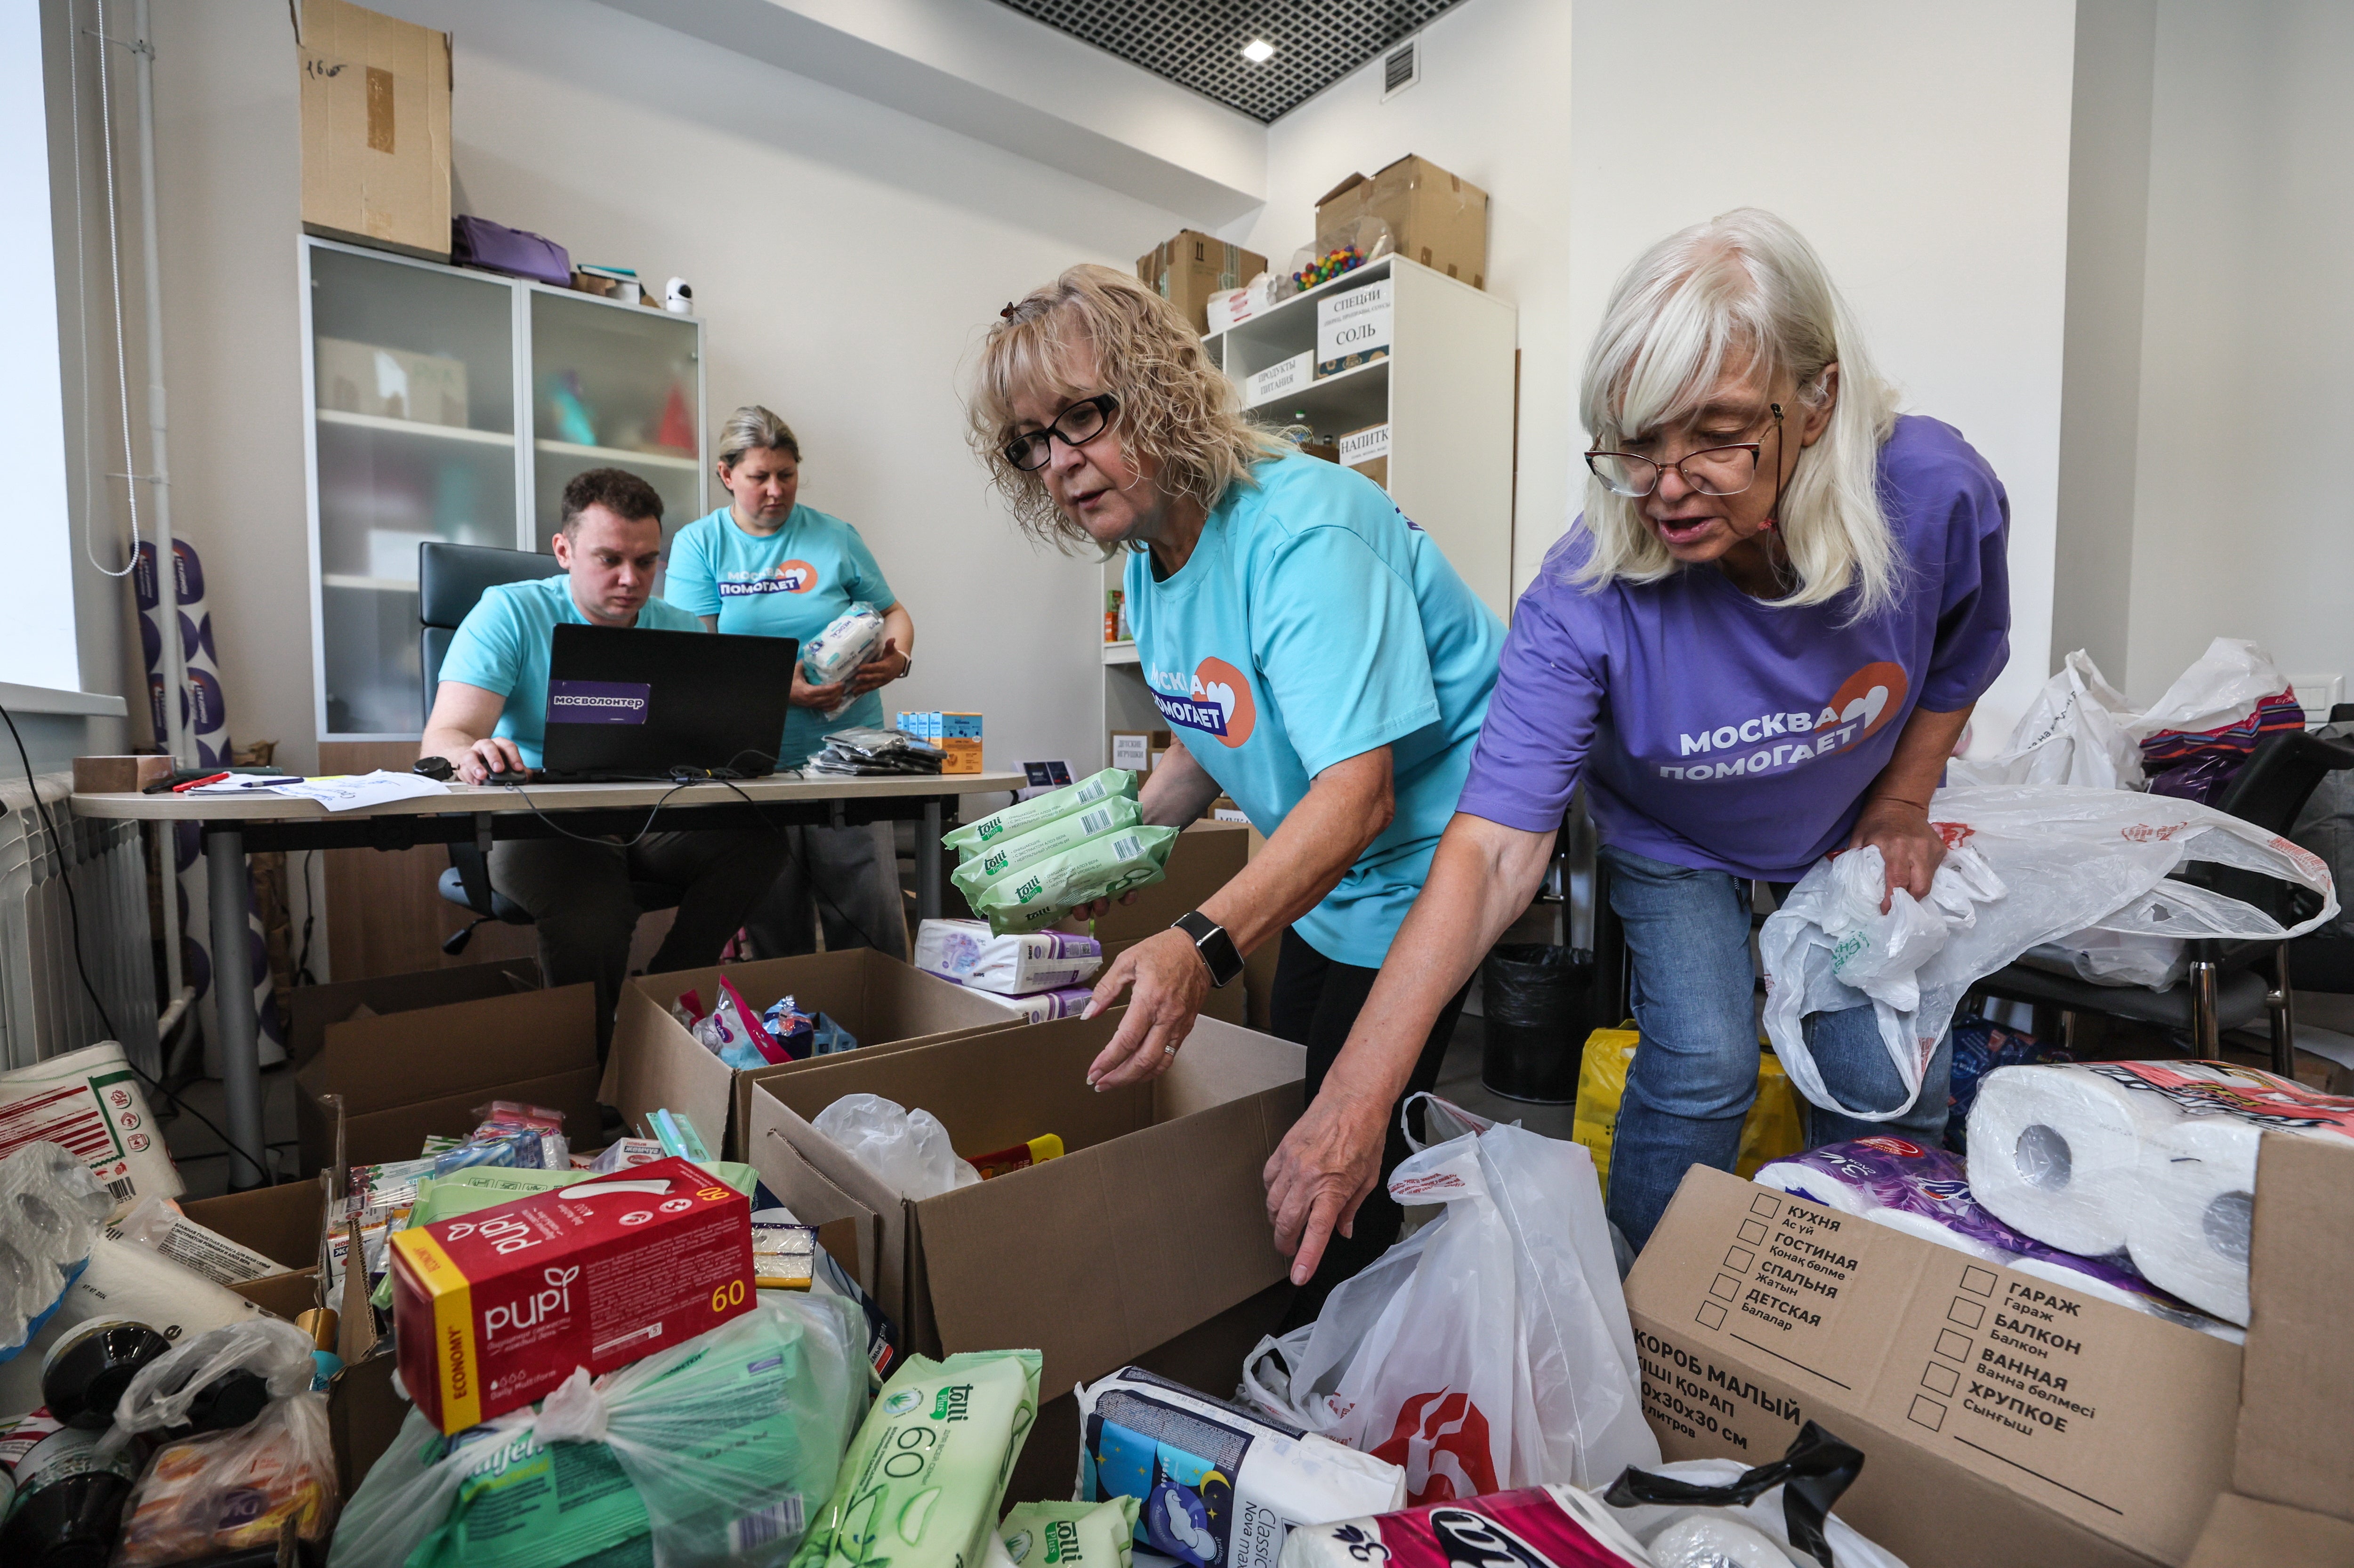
x,y
2004,1419
284,1223
655,1064
1189,267
1153,1222
405,1074
376,129
1435,217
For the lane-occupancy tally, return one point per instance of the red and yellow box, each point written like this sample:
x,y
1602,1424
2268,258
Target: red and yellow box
x,y
493,1310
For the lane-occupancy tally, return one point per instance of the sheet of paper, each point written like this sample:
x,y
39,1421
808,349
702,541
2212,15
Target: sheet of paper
x,y
341,792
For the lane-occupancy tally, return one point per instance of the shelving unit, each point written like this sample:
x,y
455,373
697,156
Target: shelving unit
x,y
1448,393
429,388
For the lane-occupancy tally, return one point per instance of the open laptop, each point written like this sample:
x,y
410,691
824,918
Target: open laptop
x,y
636,703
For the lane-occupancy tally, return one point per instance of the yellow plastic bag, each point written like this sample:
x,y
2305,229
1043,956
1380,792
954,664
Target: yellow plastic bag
x,y
1773,1130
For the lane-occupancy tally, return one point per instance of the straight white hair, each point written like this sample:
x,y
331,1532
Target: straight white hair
x,y
1742,288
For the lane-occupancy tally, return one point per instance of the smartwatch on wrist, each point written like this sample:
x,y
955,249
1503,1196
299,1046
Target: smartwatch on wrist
x,y
1210,940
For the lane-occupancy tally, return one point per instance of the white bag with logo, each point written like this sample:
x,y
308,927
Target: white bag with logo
x,y
2038,863
2078,730
1490,1348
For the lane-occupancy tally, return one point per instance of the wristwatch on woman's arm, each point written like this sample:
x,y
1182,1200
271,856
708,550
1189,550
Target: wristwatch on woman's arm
x,y
1210,940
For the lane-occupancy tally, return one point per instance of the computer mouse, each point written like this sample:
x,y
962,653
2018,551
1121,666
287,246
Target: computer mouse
x,y
434,767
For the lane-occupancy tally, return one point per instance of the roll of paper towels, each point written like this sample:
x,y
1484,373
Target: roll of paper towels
x,y
2155,1158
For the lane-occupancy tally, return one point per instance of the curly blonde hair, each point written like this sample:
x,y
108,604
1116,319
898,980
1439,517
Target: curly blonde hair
x,y
1178,413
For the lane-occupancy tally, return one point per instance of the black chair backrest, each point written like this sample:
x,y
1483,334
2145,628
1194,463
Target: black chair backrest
x,y
450,579
2268,792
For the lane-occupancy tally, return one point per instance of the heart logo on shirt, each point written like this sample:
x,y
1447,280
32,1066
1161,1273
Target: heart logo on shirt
x,y
1872,695
796,576
1218,702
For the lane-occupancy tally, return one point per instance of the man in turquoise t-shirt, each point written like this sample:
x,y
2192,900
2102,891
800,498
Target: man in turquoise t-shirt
x,y
490,711
766,565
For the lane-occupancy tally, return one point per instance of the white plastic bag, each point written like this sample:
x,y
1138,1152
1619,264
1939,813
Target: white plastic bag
x,y
908,1148
1491,1348
2066,860
2223,686
2076,731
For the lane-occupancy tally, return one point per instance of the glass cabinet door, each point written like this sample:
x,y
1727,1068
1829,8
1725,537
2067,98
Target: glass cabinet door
x,y
413,381
613,385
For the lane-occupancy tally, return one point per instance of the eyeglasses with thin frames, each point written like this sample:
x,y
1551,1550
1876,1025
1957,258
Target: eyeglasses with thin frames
x,y
1712,471
1076,426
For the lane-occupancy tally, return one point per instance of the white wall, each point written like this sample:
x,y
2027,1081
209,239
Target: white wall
x,y
2243,501
846,258
36,638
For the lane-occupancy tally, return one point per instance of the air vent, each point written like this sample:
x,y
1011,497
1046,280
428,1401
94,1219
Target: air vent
x,y
1402,68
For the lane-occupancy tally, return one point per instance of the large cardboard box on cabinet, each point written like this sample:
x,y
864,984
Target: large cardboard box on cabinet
x,y
2292,1500
1187,268
1435,217
2003,1419
655,1064
1153,1223
403,1072
376,129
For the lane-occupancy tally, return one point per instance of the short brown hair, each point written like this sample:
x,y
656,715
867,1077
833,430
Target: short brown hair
x,y
617,490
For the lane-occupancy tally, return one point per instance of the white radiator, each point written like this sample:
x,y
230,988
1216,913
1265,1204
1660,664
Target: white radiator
x,y
44,1009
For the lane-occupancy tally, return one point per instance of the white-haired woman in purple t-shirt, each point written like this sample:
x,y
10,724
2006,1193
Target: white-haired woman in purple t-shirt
x,y
1757,646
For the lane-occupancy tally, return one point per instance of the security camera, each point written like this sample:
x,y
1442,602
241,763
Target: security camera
x,y
677,298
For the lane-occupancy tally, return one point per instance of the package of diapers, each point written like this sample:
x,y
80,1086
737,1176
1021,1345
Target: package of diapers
x,y
964,951
1215,1483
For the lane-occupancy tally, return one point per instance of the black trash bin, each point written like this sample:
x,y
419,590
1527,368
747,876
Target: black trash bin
x,y
1536,999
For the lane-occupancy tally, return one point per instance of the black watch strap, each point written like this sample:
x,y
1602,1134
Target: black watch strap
x,y
1210,940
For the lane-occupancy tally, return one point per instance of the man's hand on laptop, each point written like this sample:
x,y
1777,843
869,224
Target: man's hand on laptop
x,y
475,763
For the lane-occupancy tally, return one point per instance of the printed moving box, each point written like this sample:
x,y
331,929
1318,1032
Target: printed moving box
x,y
2005,1420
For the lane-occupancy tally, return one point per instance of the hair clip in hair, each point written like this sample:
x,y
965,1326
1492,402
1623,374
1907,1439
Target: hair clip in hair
x,y
1007,314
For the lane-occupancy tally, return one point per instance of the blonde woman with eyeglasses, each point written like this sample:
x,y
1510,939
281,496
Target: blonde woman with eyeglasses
x,y
1758,646
1315,655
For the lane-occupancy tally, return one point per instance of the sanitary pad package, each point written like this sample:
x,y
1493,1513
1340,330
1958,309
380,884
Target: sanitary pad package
x,y
1218,1484
964,951
2158,1159
1041,894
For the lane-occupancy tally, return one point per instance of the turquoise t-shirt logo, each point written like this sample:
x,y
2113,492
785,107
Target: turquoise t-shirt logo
x,y
1216,701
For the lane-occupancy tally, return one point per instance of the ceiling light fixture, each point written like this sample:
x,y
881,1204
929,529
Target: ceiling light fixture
x,y
1258,51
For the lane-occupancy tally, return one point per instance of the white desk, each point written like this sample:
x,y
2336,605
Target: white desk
x,y
234,825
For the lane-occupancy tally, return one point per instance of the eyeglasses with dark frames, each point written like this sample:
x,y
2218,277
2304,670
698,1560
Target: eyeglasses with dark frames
x,y
1076,426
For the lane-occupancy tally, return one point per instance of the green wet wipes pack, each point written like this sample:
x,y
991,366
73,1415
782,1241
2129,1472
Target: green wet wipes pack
x,y
1039,810
1089,1535
479,1187
923,1478
1001,860
1043,892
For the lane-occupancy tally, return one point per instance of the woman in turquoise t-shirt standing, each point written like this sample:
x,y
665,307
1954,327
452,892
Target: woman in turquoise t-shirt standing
x,y
766,565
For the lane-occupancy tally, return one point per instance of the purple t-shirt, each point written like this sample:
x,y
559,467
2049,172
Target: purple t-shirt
x,y
1717,731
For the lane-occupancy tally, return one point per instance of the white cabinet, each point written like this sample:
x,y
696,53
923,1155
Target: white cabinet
x,y
1447,392
449,405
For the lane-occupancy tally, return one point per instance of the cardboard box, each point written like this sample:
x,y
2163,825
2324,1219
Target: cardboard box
x,y
1187,268
2292,1500
2005,1420
1230,1004
1435,217
1368,451
1279,379
391,384
1137,750
118,774
1353,327
284,1223
315,1007
495,1309
376,129
404,1076
1153,1223
959,735
1204,858
656,1065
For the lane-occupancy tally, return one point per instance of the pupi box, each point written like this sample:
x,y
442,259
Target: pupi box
x,y
495,1309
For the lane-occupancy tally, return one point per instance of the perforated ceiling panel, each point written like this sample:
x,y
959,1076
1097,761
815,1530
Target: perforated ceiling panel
x,y
1199,43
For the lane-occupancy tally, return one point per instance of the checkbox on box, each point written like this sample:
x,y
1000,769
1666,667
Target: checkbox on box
x,y
1766,1205
1712,1315
1725,1286
1968,1314
1979,1281
1753,1233
1941,1378
1739,1259
1926,1412
1952,1346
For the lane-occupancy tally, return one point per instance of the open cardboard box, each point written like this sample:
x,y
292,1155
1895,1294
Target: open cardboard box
x,y
285,1225
2291,1502
316,1007
1153,1223
656,1065
2004,1419
405,1075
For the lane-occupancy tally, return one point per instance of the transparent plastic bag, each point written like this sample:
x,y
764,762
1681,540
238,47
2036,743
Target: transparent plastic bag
x,y
908,1149
177,1387
720,1448
1504,1316
1343,249
52,1208
226,1491
2076,731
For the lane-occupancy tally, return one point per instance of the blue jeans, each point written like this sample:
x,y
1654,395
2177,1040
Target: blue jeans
x,y
1693,1080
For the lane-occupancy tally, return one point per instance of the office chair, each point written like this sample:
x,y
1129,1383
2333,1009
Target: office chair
x,y
449,580
2223,990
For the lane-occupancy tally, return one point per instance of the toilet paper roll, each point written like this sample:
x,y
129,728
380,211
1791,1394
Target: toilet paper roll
x,y
1893,1182
2112,1279
2055,1151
